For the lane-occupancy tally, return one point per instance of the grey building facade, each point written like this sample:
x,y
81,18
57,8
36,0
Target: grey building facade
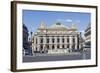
x,y
88,36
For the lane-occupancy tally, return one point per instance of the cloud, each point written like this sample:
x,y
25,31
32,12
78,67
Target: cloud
x,y
64,20
68,20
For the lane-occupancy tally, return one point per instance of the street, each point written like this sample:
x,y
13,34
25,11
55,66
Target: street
x,y
79,56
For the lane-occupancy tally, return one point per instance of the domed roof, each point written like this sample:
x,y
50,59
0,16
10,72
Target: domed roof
x,y
58,26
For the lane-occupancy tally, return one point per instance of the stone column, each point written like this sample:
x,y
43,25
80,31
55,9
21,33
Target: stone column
x,y
50,42
76,43
80,46
44,42
70,40
38,47
50,46
55,43
33,48
34,44
65,42
60,41
44,39
38,42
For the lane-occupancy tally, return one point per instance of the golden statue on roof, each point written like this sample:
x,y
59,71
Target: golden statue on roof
x,y
74,27
42,25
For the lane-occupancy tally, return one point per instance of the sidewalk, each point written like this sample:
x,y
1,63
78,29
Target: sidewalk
x,y
56,54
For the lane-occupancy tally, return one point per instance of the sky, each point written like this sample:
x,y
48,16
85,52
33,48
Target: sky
x,y
33,18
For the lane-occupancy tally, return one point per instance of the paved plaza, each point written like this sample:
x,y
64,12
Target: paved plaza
x,y
58,57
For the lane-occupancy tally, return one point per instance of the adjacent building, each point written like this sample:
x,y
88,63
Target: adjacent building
x,y
88,36
26,46
56,37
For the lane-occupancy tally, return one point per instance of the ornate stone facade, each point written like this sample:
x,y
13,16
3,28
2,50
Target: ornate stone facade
x,y
57,36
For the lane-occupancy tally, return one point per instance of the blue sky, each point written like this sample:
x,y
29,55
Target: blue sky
x,y
33,18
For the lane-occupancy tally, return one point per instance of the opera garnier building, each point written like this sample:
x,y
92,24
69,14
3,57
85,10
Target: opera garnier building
x,y
56,38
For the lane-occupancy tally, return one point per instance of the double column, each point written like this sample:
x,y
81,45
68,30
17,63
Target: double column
x,y
34,45
55,43
50,43
60,41
76,43
73,45
44,43
70,43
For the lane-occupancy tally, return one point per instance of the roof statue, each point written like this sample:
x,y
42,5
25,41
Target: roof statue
x,y
73,27
42,25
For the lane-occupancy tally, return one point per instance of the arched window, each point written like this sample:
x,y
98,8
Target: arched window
x,y
41,47
63,46
73,40
67,39
47,46
58,40
57,46
47,40
53,47
36,48
53,40
73,46
63,40
41,40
